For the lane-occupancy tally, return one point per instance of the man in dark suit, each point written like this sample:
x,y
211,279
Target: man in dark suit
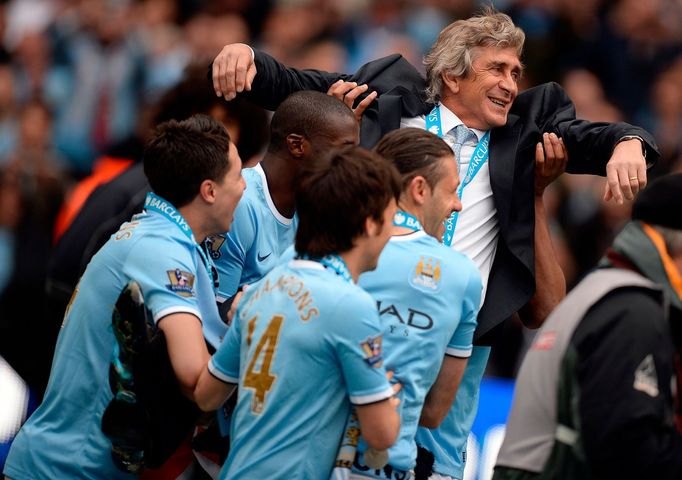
x,y
472,74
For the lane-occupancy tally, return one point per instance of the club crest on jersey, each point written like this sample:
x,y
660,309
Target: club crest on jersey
x,y
372,349
181,282
213,243
427,274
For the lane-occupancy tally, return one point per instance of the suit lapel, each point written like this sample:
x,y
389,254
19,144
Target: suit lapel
x,y
504,143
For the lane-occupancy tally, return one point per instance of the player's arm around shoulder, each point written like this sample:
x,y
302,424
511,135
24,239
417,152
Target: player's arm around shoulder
x,y
358,342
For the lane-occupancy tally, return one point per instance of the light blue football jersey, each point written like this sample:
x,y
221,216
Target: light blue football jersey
x,y
448,442
304,347
63,438
428,297
258,236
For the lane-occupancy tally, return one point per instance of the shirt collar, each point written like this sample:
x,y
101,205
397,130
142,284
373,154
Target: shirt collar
x,y
449,120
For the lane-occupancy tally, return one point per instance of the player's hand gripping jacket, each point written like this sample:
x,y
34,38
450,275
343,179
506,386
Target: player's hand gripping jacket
x,y
148,417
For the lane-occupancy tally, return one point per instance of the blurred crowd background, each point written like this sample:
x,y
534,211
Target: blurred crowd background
x,y
82,81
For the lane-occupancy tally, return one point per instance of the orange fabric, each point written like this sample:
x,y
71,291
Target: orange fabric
x,y
105,169
674,276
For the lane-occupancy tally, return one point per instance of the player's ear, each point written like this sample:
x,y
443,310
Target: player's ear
x,y
207,191
372,227
417,190
296,144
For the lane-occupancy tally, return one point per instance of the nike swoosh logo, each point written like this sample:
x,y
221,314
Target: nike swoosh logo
x,y
260,259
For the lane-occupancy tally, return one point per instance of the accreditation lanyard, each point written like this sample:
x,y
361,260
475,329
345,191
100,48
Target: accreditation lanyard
x,y
163,207
407,220
332,262
478,159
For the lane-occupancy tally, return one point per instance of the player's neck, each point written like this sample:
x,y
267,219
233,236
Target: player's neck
x,y
193,219
354,261
280,178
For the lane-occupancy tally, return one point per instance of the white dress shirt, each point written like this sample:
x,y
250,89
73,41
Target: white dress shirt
x,y
477,227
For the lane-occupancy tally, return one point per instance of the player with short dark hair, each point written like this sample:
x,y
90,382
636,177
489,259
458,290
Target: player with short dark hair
x,y
312,115
305,345
179,151
305,125
333,222
159,250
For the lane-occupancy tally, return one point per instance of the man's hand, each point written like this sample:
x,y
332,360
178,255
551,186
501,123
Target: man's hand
x,y
550,161
233,70
625,172
396,386
348,92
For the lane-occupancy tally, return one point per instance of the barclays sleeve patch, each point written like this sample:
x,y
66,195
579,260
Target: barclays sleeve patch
x,y
181,282
372,350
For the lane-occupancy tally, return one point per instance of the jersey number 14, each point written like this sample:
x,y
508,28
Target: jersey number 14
x,y
261,380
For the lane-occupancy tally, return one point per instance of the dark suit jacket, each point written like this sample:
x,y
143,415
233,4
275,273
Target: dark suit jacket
x,y
545,108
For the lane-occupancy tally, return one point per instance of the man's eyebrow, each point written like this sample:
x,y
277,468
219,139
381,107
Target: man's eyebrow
x,y
498,63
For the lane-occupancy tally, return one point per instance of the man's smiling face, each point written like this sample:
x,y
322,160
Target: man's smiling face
x,y
484,97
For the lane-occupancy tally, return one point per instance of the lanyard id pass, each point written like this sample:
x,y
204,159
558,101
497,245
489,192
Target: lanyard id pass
x,y
478,159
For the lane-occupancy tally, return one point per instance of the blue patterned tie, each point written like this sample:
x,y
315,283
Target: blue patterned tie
x,y
461,135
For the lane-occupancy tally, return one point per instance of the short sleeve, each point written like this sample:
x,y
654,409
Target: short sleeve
x,y
168,281
357,339
460,344
229,251
224,365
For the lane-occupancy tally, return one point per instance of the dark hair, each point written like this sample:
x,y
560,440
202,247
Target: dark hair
x,y
413,152
181,155
336,193
306,113
193,95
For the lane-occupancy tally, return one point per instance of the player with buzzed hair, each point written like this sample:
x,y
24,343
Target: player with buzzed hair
x,y
305,125
305,345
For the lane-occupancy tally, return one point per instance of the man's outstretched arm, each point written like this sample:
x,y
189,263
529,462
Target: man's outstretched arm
x,y
619,151
238,69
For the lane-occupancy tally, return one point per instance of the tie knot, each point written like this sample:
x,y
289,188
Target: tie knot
x,y
462,134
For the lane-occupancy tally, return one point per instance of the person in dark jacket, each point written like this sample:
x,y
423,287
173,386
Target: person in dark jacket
x,y
593,396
